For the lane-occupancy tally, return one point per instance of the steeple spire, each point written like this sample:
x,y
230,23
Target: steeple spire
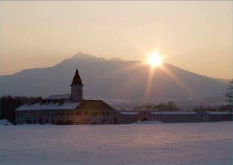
x,y
77,80
77,87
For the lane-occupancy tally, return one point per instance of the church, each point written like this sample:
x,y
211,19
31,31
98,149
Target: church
x,y
68,109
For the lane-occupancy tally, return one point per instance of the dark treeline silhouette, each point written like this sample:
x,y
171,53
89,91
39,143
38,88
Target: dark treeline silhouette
x,y
9,104
211,108
170,105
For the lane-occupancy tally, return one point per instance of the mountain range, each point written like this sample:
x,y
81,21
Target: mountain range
x,y
116,81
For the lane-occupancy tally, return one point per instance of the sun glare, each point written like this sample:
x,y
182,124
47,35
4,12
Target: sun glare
x,y
154,59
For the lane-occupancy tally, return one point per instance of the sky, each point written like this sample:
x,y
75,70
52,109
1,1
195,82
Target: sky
x,y
193,35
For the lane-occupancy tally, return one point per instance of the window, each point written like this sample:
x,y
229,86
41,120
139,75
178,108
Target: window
x,y
86,113
94,113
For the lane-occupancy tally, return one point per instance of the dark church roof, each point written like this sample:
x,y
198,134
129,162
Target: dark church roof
x,y
94,104
66,105
77,80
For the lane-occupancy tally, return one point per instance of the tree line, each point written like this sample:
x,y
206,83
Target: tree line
x,y
171,106
9,104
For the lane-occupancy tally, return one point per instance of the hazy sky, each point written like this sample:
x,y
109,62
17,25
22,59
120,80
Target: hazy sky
x,y
196,36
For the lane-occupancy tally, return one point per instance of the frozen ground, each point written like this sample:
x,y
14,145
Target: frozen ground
x,y
5,122
135,144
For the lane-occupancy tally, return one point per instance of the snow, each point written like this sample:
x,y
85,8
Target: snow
x,y
175,112
49,106
148,122
133,144
129,112
5,122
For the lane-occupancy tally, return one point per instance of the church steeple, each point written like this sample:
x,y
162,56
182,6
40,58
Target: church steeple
x,y
77,87
77,80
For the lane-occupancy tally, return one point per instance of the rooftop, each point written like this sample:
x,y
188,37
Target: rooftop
x,y
77,80
49,106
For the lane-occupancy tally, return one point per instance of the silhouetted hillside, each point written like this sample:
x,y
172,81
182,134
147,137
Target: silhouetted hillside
x,y
113,79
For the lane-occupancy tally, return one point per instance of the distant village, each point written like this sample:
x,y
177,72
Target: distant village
x,y
73,109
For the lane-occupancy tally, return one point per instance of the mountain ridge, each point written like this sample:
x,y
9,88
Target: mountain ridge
x,y
117,79
83,55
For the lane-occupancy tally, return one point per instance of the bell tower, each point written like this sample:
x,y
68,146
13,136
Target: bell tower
x,y
77,88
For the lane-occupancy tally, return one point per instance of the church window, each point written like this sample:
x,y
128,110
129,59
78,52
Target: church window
x,y
94,113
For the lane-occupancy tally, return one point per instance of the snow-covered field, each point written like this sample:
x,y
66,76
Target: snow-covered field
x,y
144,144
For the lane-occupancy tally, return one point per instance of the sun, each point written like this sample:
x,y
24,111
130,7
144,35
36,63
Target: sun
x,y
154,59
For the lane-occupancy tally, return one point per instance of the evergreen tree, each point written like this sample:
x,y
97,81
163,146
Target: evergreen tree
x,y
8,104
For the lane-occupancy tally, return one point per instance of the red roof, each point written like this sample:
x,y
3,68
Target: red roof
x,y
77,80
